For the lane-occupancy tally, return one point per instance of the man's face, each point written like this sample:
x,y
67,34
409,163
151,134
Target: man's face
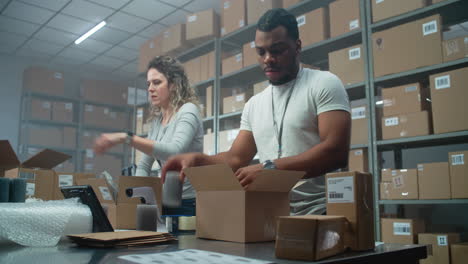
x,y
277,54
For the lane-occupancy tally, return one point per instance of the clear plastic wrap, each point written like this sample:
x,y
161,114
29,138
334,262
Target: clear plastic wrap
x,y
43,223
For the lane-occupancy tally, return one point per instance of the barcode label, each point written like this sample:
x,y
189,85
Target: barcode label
x,y
394,172
301,21
30,189
105,193
113,115
420,167
166,34
46,105
402,229
358,112
398,182
241,23
429,27
353,24
89,108
378,1
354,54
87,134
240,98
89,166
458,159
442,82
411,89
358,152
65,180
192,18
340,189
69,106
227,4
392,121
239,57
140,113
252,44
89,153
58,75
442,240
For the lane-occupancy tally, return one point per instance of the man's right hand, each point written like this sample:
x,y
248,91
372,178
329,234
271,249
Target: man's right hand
x,y
180,162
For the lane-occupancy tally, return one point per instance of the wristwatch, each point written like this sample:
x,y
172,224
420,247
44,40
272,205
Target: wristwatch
x,y
129,138
269,165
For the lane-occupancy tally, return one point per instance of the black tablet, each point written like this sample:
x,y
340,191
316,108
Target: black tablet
x,y
87,196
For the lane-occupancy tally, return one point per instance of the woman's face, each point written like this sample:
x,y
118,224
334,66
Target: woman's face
x,y
158,89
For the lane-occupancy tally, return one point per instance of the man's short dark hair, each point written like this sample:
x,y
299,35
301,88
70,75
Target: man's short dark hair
x,y
279,17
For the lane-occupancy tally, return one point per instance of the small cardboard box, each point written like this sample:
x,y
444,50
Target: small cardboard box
x,y
173,39
234,103
69,179
226,211
406,125
454,49
404,185
344,17
359,127
357,160
202,26
459,253
350,194
256,8
458,174
448,95
434,180
46,136
42,80
233,15
348,64
385,9
249,54
62,111
440,246
232,63
41,109
148,50
423,49
385,189
104,91
126,215
386,175
309,237
401,231
313,26
100,187
404,99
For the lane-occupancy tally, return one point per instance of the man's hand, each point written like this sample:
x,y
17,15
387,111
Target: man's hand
x,y
179,163
247,175
107,141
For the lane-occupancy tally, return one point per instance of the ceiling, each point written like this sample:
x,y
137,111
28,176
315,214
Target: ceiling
x,y
46,30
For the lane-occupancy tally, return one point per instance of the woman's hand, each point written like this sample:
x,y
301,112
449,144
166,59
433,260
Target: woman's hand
x,y
108,140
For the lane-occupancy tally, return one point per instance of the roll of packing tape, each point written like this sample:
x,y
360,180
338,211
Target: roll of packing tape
x,y
17,190
187,223
172,190
147,217
4,190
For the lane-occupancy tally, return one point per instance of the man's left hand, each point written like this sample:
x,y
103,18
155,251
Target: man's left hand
x,y
247,175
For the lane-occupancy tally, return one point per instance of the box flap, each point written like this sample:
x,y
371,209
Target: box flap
x,y
46,159
275,180
8,158
213,178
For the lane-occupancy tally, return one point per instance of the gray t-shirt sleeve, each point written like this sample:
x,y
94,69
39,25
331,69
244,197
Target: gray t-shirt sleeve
x,y
245,122
144,166
331,94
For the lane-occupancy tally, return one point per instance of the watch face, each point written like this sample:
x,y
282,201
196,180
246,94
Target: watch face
x,y
268,164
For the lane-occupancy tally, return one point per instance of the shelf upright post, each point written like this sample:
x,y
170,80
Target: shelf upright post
x,y
217,92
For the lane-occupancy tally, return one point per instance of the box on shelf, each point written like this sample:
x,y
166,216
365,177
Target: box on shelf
x,y
406,125
403,185
384,9
256,8
232,63
359,127
313,26
69,137
148,50
348,64
99,116
458,174
62,112
41,109
249,54
448,95
42,80
454,49
344,17
233,15
305,237
173,39
104,91
350,194
458,253
440,246
208,143
202,26
434,180
404,99
234,103
67,166
47,136
358,160
260,86
193,70
423,49
401,231
99,163
88,138
252,213
386,175
385,188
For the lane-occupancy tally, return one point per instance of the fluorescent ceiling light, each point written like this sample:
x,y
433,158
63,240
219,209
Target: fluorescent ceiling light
x,y
89,33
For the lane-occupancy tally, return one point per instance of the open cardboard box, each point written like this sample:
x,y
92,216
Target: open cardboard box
x,y
38,167
225,211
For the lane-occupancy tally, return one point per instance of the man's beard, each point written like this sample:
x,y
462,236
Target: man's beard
x,y
286,78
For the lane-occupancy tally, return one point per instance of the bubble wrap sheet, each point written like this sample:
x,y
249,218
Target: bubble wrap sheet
x,y
42,223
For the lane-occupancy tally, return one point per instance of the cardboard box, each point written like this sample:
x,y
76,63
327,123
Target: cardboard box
x,y
203,71
384,9
401,231
202,26
225,211
209,101
455,49
386,175
448,95
406,125
232,63
70,179
62,112
193,69
440,246
385,189
97,164
348,64
68,166
422,50
259,87
357,160
233,15
458,174
289,3
100,187
234,103
104,91
404,185
126,215
307,237
174,39
404,99
42,80
359,126
44,136
69,137
249,54
458,253
88,138
313,26
256,8
344,17
434,180
211,64
41,109
226,138
350,194
148,50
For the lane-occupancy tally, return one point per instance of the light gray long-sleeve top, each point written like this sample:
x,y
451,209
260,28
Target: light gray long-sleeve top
x,y
184,133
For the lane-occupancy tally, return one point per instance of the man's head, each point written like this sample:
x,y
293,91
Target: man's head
x,y
278,45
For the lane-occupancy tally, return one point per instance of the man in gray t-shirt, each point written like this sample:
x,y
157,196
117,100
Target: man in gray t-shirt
x,y
300,122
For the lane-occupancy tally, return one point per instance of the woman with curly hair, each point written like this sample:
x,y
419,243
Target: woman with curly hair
x,y
176,125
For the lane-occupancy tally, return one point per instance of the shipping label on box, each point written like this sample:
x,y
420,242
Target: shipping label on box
x,y
440,246
347,64
458,165
401,231
344,17
406,125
